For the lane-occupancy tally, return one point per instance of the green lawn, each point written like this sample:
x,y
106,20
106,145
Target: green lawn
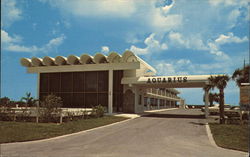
x,y
26,131
231,136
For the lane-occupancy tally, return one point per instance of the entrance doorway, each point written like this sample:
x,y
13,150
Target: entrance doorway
x,y
129,101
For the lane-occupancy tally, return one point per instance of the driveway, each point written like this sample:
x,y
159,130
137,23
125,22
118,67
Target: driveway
x,y
174,133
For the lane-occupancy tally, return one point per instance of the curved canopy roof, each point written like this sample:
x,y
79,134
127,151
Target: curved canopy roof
x,y
60,60
86,59
98,58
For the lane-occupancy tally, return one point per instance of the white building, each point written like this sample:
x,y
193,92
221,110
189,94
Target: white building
x,y
120,83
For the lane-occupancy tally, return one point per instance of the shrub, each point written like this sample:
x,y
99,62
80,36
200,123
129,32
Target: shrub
x,y
4,101
97,111
51,108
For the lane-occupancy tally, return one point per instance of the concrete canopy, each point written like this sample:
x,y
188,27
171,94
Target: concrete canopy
x,y
48,61
26,62
187,81
86,59
37,61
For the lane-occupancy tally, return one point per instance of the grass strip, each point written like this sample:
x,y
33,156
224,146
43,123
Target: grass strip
x,y
27,131
231,136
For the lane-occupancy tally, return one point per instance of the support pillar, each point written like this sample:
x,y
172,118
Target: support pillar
x,y
38,86
158,104
148,103
206,103
110,97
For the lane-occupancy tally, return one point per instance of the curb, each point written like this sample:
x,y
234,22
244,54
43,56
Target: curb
x,y
160,110
67,135
210,136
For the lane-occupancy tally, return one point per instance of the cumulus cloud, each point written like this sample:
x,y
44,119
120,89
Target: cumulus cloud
x,y
105,49
227,2
214,49
230,38
193,42
10,12
105,8
163,23
174,67
185,66
8,39
152,45
13,44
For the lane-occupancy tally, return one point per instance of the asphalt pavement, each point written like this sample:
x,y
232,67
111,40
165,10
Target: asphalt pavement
x,y
174,133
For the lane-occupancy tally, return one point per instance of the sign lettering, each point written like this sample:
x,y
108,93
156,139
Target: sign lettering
x,y
167,80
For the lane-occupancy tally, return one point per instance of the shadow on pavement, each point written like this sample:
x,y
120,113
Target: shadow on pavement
x,y
176,116
197,123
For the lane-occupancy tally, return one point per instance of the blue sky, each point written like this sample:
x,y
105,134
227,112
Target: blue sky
x,y
176,37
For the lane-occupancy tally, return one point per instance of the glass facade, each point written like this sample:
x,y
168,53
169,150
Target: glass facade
x,y
117,91
77,89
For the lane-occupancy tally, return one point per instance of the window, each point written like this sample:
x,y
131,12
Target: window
x,y
66,82
54,82
91,81
77,89
117,91
139,100
78,82
44,81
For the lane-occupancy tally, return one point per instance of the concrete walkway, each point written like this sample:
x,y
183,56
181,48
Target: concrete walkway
x,y
174,133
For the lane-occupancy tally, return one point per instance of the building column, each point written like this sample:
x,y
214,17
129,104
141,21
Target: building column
x,y
148,103
142,99
110,97
206,103
158,103
137,95
38,87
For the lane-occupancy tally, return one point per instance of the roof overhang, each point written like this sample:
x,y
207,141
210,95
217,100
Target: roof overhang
x,y
85,67
127,61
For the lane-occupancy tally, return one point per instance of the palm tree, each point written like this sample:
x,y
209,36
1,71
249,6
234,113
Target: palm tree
x,y
220,82
213,97
29,100
241,75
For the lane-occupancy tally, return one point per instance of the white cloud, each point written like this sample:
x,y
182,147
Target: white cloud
x,y
233,16
53,43
96,8
163,23
13,44
141,12
177,38
167,8
105,49
214,49
194,42
230,38
20,48
228,2
7,39
165,69
10,12
152,45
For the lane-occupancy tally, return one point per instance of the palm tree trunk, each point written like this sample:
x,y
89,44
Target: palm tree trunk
x,y
211,103
222,115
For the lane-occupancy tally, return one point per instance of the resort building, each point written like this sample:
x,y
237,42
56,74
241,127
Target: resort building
x,y
120,83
